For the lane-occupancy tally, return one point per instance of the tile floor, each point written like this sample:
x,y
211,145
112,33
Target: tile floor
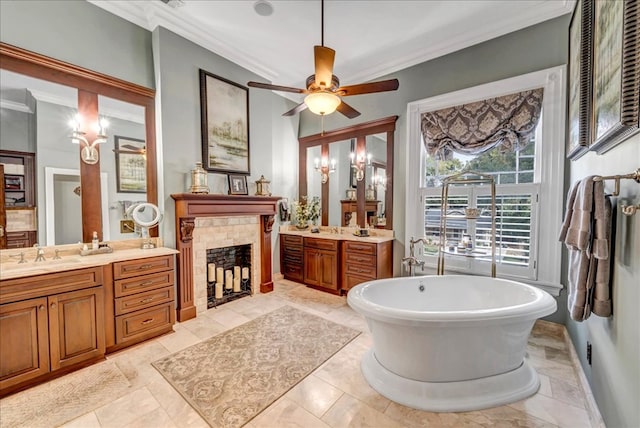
x,y
335,394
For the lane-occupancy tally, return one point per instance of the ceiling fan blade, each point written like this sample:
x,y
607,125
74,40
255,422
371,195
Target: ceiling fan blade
x,y
276,87
297,109
368,88
323,57
347,110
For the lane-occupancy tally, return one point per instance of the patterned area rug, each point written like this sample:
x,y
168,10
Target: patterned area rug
x,y
63,399
233,376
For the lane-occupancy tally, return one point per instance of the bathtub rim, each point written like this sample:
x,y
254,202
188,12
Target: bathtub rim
x,y
542,305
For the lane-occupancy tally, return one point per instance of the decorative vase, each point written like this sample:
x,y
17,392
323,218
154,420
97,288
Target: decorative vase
x,y
303,226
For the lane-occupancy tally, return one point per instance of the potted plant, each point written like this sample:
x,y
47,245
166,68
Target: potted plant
x,y
306,211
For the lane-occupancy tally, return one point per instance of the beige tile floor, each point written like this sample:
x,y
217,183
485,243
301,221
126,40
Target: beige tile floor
x,y
335,394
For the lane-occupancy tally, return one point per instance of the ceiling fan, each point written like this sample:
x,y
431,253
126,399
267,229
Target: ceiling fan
x,y
324,93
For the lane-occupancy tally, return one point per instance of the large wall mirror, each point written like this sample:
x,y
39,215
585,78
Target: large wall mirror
x,y
74,197
351,171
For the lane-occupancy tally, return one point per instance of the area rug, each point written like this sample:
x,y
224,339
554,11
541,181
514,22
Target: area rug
x,y
232,377
63,399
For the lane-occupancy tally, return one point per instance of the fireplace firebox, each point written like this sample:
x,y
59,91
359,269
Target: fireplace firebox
x,y
228,274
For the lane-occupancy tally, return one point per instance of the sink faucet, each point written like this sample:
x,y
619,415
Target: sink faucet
x,y
40,254
412,244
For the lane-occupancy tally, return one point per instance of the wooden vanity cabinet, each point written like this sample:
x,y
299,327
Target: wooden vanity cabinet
x,y
49,323
143,298
365,261
321,264
21,239
291,257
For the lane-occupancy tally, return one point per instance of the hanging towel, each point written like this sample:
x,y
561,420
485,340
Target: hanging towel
x,y
586,233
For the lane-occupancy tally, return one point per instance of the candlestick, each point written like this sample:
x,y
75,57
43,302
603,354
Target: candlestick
x,y
245,273
236,284
218,292
228,282
211,272
219,275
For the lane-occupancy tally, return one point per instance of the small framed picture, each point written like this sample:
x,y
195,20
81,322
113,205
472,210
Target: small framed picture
x,y
237,184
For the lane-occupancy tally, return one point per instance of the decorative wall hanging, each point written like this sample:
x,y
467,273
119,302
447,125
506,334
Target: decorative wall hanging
x,y
131,165
580,35
224,107
615,115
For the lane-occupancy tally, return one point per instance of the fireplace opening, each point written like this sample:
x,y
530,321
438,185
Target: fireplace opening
x,y
228,274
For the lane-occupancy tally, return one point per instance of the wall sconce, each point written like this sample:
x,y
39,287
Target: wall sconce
x,y
324,168
89,153
360,163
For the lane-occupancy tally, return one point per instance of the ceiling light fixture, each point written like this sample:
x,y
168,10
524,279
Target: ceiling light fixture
x,y
263,8
323,102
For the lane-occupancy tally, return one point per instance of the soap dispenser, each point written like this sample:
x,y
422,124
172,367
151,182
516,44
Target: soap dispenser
x,y
94,242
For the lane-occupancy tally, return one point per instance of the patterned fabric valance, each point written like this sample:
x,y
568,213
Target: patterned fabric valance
x,y
474,128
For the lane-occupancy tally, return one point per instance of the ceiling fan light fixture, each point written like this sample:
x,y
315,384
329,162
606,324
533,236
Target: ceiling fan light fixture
x,y
322,102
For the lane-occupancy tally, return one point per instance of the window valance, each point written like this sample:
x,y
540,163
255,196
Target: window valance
x,y
506,122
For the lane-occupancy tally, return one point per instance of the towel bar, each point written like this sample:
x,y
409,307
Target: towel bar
x,y
633,176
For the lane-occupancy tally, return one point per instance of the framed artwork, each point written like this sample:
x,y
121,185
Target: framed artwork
x,y
237,184
224,107
131,165
579,88
616,73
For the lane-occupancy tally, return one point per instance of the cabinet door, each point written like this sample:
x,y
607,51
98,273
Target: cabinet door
x,y
311,267
76,327
328,269
24,341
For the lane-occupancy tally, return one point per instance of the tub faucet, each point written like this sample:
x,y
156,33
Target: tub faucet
x,y
412,244
40,254
411,261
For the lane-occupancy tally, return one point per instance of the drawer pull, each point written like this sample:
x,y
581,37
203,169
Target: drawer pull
x,y
150,299
361,270
360,259
145,267
359,247
144,284
150,320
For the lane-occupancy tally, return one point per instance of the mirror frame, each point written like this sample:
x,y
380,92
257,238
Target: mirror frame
x,y
90,84
359,132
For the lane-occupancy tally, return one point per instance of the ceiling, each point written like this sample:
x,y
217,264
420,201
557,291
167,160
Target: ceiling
x,y
371,38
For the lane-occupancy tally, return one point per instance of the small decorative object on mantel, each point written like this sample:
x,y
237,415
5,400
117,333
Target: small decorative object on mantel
x,y
199,179
237,184
351,194
263,187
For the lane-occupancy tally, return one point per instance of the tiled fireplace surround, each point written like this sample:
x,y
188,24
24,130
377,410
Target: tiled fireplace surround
x,y
220,232
214,221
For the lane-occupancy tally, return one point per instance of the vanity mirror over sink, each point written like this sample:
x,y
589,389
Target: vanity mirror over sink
x,y
77,160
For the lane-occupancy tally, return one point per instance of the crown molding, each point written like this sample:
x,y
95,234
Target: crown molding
x,y
150,15
12,105
473,36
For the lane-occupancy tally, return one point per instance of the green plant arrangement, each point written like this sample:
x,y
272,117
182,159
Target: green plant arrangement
x,y
306,211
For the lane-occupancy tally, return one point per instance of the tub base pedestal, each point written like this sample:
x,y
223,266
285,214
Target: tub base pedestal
x,y
458,396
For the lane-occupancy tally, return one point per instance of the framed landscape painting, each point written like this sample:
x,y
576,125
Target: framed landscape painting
x,y
131,165
616,73
224,107
579,91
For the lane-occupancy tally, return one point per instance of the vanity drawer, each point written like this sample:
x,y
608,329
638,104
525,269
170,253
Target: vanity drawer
x,y
321,244
368,271
293,272
137,267
126,287
125,305
361,247
293,257
359,258
351,281
149,322
291,240
34,286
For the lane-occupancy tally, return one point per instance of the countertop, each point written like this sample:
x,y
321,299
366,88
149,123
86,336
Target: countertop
x,y
344,236
10,268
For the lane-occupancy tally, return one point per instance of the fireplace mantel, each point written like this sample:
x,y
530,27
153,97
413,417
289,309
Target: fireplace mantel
x,y
188,207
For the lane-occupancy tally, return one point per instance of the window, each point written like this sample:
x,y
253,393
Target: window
x,y
529,191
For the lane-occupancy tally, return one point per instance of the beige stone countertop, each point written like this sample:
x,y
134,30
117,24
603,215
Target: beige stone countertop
x,y
346,235
70,259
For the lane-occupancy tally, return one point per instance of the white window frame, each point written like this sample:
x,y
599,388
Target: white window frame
x,y
549,161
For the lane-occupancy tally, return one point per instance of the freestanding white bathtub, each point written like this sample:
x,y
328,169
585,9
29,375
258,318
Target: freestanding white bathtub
x,y
450,343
